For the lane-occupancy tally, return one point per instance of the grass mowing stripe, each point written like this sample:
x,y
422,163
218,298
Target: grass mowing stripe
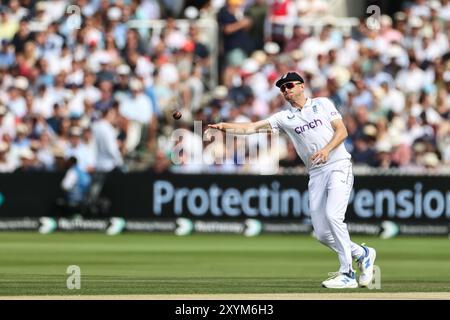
x,y
34,264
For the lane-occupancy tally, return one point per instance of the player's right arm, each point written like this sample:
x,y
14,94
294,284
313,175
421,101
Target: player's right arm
x,y
242,128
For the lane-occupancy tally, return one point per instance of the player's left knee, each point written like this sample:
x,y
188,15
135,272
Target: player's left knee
x,y
324,237
334,218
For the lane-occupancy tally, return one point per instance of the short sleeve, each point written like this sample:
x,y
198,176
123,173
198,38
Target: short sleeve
x,y
331,112
275,122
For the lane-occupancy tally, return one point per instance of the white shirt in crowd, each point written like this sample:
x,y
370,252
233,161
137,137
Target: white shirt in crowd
x,y
18,106
313,46
43,104
433,117
411,81
393,100
85,156
310,130
422,10
348,53
108,154
91,93
137,108
444,12
8,126
76,103
428,52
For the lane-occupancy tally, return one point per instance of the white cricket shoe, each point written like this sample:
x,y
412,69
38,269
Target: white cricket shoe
x,y
339,280
365,265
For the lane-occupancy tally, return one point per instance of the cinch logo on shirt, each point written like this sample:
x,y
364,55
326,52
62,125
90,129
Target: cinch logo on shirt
x,y
310,125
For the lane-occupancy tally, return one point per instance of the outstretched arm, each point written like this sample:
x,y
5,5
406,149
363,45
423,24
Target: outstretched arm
x,y
242,128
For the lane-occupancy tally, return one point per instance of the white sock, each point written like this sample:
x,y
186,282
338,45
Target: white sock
x,y
357,251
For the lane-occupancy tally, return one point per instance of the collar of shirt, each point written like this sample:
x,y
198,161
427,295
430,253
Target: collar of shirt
x,y
307,103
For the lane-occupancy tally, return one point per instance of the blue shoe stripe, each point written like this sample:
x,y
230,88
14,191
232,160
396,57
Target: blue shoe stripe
x,y
350,274
366,250
368,263
366,253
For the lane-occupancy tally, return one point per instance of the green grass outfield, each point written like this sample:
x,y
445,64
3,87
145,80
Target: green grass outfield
x,y
34,264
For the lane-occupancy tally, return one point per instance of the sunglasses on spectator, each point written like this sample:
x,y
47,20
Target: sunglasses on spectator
x,y
288,85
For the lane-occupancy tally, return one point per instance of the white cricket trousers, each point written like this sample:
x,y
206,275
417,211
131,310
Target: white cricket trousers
x,y
329,192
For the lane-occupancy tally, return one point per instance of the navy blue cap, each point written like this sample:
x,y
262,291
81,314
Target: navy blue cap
x,y
289,77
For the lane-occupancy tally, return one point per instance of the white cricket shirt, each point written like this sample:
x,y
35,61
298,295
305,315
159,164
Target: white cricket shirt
x,y
310,130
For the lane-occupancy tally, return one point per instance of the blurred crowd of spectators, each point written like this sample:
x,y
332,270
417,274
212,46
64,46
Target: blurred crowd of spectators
x,y
92,87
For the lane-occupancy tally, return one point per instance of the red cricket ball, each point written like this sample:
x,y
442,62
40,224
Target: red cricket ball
x,y
176,115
